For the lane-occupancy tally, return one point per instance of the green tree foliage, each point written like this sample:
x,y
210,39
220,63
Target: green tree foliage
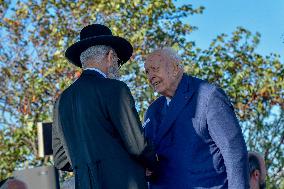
x,y
35,34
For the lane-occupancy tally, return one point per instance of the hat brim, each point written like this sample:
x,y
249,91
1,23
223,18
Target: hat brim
x,y
121,46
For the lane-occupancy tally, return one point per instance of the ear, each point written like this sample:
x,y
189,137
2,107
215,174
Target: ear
x,y
256,175
175,69
109,57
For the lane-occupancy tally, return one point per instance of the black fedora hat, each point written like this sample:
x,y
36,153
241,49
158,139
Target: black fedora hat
x,y
97,34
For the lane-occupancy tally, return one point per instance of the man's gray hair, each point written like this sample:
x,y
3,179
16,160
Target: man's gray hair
x,y
97,53
170,53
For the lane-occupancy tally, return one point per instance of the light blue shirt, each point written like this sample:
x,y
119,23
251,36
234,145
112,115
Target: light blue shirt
x,y
168,100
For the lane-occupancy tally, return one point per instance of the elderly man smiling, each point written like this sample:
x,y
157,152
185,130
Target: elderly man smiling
x,y
194,128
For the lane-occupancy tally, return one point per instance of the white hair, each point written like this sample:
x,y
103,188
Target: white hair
x,y
170,53
96,53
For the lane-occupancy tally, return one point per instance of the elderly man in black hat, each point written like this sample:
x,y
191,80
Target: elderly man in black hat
x,y
96,129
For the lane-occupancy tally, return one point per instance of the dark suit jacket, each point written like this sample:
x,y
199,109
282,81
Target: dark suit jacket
x,y
97,133
198,139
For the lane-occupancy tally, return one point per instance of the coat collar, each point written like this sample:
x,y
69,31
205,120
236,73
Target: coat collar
x,y
97,70
92,72
184,92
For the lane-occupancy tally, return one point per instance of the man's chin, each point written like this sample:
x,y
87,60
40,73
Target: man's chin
x,y
157,90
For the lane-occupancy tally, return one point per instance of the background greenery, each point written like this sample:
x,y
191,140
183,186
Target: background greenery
x,y
35,34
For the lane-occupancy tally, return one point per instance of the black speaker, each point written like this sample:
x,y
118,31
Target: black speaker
x,y
44,132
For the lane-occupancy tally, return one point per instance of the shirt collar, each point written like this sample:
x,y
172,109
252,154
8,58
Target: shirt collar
x,y
97,70
168,100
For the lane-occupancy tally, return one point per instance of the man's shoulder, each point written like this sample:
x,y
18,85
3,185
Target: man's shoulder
x,y
105,87
115,85
95,82
202,85
113,88
207,91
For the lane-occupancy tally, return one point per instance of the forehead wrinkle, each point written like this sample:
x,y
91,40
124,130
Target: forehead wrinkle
x,y
154,58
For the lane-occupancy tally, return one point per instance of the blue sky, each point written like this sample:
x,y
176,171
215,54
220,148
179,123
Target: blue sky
x,y
223,16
